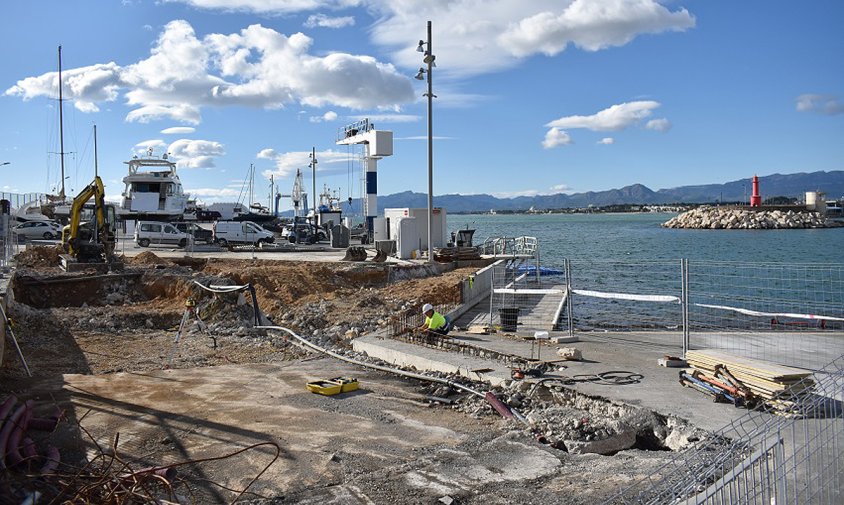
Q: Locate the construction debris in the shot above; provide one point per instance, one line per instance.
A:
(671, 361)
(570, 354)
(744, 381)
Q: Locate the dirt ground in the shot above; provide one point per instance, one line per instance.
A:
(128, 321)
(101, 347)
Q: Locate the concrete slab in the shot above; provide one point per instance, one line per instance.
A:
(375, 445)
(410, 355)
(659, 390)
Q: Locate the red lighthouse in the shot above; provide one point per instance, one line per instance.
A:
(755, 198)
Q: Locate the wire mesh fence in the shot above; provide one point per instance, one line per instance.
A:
(788, 312)
(762, 458)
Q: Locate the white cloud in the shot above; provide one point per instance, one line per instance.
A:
(556, 137)
(660, 125)
(178, 130)
(514, 194)
(388, 118)
(266, 154)
(561, 188)
(323, 21)
(268, 6)
(214, 194)
(466, 33)
(195, 153)
(615, 118)
(255, 67)
(823, 104)
(592, 26)
(287, 163)
(327, 117)
(607, 141)
(155, 144)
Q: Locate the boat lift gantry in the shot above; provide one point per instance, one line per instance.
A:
(377, 144)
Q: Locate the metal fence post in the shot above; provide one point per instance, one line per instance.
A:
(569, 310)
(684, 301)
(491, 293)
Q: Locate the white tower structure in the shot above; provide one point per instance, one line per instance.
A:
(377, 144)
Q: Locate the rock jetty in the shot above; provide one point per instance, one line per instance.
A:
(732, 218)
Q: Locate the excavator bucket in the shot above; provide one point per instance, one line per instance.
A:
(380, 257)
(355, 253)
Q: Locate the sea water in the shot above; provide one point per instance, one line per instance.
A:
(639, 237)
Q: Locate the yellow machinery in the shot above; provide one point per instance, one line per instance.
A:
(93, 241)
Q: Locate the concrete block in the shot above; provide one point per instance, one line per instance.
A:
(564, 340)
(618, 442)
(540, 335)
(570, 353)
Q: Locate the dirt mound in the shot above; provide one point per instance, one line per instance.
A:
(39, 256)
(148, 258)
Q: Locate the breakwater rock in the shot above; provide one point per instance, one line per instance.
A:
(732, 218)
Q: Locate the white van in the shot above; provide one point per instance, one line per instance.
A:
(154, 232)
(241, 232)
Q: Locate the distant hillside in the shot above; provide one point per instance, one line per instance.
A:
(790, 185)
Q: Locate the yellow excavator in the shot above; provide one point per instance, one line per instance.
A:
(90, 236)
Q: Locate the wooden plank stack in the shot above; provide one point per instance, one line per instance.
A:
(749, 379)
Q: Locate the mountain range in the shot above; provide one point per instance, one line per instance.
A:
(787, 185)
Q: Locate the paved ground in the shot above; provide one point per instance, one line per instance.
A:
(659, 389)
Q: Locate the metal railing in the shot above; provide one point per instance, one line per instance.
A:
(762, 457)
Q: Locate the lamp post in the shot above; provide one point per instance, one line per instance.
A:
(425, 48)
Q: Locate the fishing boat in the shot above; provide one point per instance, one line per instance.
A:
(153, 190)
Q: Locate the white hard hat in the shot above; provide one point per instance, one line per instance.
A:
(427, 307)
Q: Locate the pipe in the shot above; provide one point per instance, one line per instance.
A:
(13, 448)
(52, 461)
(8, 427)
(403, 373)
(489, 396)
(28, 449)
(7, 407)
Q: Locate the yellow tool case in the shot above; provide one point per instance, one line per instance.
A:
(333, 386)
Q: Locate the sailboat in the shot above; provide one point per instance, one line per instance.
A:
(243, 210)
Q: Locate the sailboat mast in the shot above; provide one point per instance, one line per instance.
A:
(96, 165)
(61, 123)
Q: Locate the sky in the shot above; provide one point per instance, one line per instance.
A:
(539, 97)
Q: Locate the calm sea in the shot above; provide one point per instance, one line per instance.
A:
(640, 237)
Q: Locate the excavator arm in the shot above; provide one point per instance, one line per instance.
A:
(103, 240)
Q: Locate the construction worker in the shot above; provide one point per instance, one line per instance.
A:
(435, 323)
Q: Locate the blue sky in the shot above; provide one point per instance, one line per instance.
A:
(533, 97)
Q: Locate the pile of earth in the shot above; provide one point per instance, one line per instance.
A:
(127, 321)
(40, 256)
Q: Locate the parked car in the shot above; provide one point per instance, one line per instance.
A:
(304, 233)
(152, 232)
(38, 230)
(199, 233)
(241, 232)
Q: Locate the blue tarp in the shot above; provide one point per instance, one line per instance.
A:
(531, 270)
